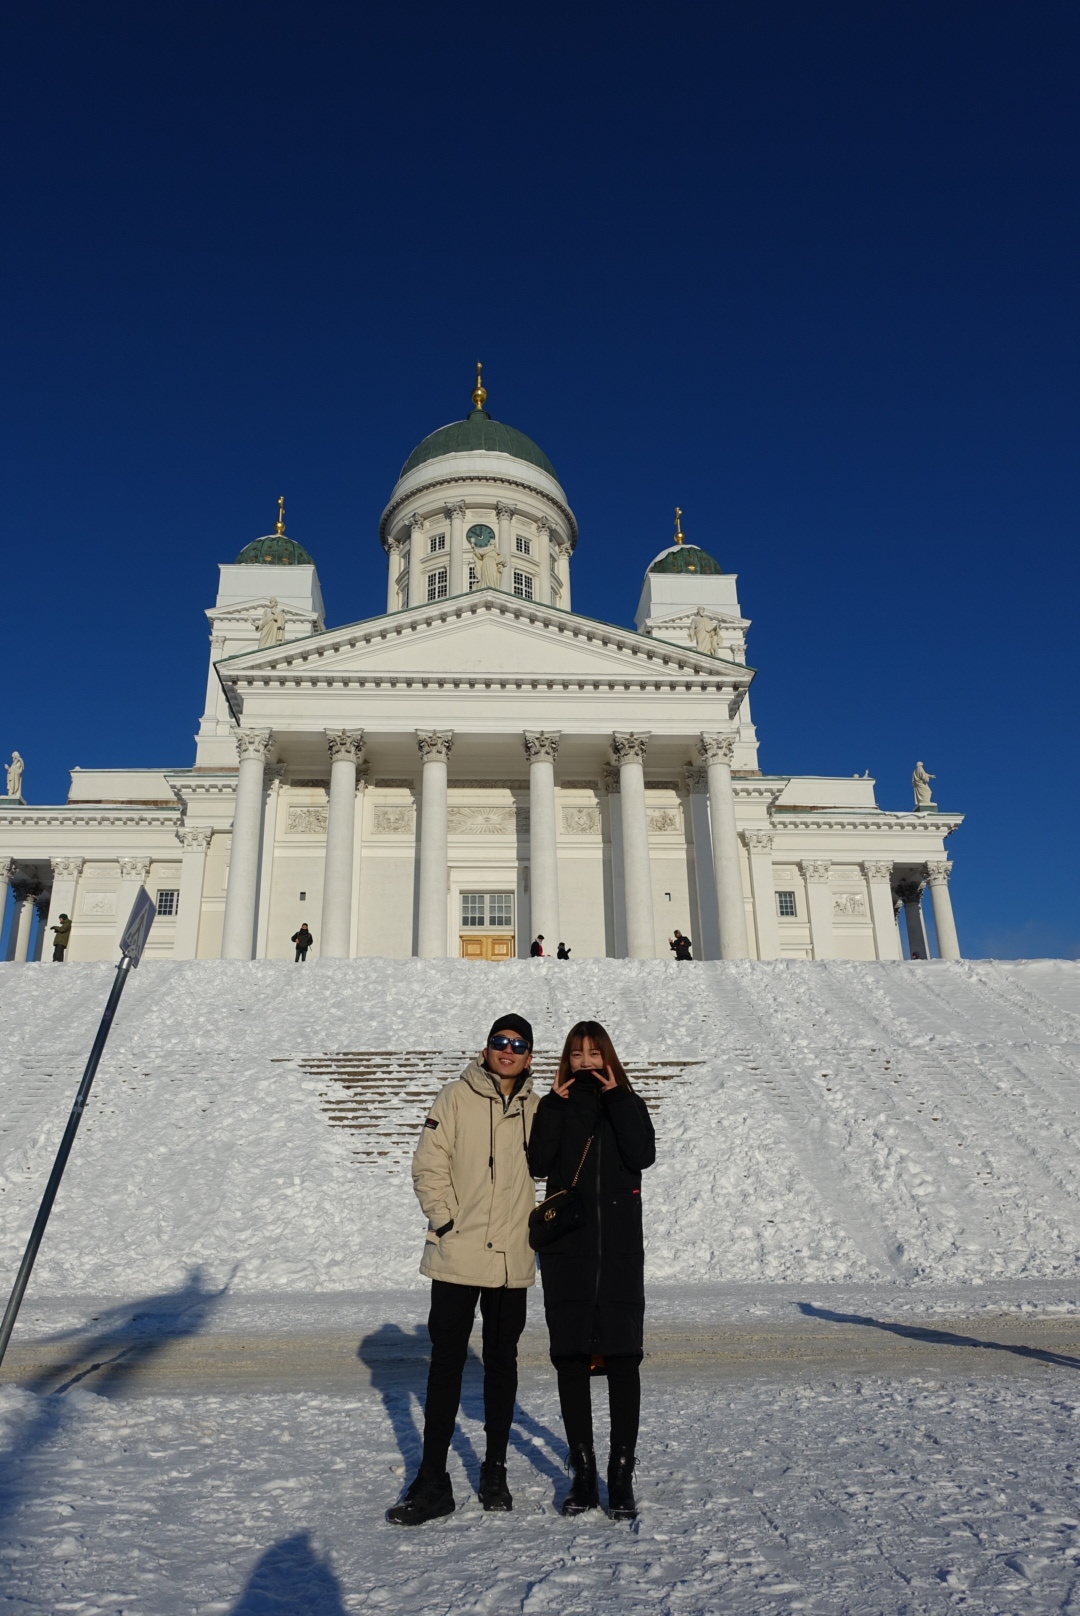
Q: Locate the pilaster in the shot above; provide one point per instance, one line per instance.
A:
(878, 873)
(816, 873)
(759, 846)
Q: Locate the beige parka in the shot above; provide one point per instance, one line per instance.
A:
(470, 1166)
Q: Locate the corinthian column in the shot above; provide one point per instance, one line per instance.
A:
(459, 582)
(541, 751)
(6, 867)
(759, 845)
(629, 753)
(195, 840)
(878, 873)
(543, 560)
(393, 567)
(707, 937)
(910, 895)
(618, 878)
(241, 897)
(434, 749)
(133, 872)
(415, 560)
(66, 873)
(938, 873)
(816, 873)
(505, 513)
(346, 748)
(717, 752)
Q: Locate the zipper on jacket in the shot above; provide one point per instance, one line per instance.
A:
(599, 1218)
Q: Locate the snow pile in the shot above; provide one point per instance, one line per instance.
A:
(856, 1122)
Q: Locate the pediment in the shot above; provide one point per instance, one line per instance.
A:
(480, 634)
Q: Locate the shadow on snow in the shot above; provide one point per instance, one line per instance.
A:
(940, 1338)
(291, 1580)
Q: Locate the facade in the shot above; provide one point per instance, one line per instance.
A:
(476, 765)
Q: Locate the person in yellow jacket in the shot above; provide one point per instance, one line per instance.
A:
(471, 1176)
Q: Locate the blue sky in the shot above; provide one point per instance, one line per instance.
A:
(807, 269)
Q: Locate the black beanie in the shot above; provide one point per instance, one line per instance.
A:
(519, 1025)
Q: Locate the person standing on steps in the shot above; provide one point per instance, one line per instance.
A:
(562, 952)
(594, 1133)
(303, 940)
(681, 945)
(61, 938)
(471, 1176)
(537, 949)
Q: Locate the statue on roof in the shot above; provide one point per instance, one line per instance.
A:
(706, 632)
(14, 775)
(920, 784)
(271, 625)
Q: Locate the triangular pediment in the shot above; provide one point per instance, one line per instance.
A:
(484, 633)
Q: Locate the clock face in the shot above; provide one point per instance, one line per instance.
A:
(481, 536)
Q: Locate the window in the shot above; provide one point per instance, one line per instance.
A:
(486, 909)
(303, 897)
(437, 584)
(168, 903)
(785, 905)
(522, 545)
(438, 542)
(472, 577)
(523, 585)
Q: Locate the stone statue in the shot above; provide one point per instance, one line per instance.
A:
(489, 566)
(706, 632)
(14, 775)
(272, 625)
(920, 784)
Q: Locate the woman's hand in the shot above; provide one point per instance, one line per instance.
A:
(562, 1089)
(606, 1080)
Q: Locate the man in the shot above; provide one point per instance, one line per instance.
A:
(303, 940)
(562, 952)
(471, 1177)
(537, 949)
(61, 938)
(682, 945)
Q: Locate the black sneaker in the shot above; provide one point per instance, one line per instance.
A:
(427, 1499)
(493, 1491)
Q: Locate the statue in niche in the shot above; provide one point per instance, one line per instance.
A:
(920, 784)
(272, 625)
(706, 633)
(489, 566)
(14, 775)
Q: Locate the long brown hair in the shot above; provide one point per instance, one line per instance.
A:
(599, 1038)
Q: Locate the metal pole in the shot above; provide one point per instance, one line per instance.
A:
(22, 1279)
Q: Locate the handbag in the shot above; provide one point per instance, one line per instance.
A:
(560, 1213)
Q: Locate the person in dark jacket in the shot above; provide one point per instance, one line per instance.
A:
(592, 1124)
(562, 952)
(61, 939)
(681, 945)
(303, 940)
(536, 950)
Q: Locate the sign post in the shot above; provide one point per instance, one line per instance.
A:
(131, 950)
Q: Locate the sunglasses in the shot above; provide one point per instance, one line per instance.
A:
(500, 1041)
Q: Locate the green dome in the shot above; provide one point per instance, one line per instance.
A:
(275, 550)
(478, 431)
(686, 558)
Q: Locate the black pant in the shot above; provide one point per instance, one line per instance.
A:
(58, 954)
(301, 956)
(453, 1309)
(624, 1399)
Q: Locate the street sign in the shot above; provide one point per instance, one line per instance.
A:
(137, 929)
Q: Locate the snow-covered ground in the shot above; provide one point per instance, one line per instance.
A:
(852, 1146)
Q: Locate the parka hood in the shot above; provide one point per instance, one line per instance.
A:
(486, 1083)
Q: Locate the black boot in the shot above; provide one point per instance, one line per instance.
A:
(584, 1493)
(426, 1499)
(620, 1485)
(493, 1491)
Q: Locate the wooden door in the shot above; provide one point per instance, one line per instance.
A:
(499, 946)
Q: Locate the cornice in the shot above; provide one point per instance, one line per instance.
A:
(392, 511)
(93, 818)
(940, 824)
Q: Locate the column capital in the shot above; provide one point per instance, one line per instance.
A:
(345, 743)
(938, 872)
(758, 841)
(454, 507)
(629, 748)
(434, 745)
(504, 509)
(6, 867)
(24, 886)
(696, 777)
(612, 780)
(909, 891)
(196, 839)
(540, 746)
(815, 869)
(134, 869)
(414, 520)
(66, 869)
(397, 545)
(253, 743)
(273, 775)
(717, 748)
(544, 524)
(877, 869)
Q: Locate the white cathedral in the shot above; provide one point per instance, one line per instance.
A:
(477, 765)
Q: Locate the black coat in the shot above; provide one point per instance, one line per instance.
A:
(594, 1277)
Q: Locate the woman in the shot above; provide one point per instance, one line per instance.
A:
(592, 1124)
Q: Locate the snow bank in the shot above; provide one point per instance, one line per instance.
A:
(855, 1122)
